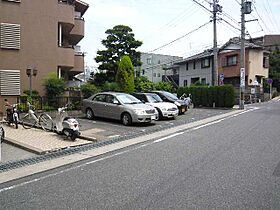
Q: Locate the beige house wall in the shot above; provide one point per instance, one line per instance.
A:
(256, 66)
(39, 48)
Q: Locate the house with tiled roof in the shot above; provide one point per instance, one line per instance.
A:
(196, 68)
(256, 63)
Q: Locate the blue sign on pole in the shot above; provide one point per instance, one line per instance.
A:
(269, 81)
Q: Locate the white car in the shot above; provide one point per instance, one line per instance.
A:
(165, 109)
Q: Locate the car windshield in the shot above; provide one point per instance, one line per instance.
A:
(128, 99)
(154, 98)
(170, 95)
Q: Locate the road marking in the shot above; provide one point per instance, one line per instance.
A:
(116, 154)
(168, 137)
(207, 124)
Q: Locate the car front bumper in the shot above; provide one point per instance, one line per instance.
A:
(144, 118)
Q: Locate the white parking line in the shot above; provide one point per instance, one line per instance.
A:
(168, 137)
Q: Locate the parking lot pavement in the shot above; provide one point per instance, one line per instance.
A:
(38, 141)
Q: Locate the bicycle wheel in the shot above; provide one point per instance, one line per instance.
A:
(28, 121)
(46, 122)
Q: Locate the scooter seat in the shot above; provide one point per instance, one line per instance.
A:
(66, 118)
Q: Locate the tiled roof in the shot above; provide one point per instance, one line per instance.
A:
(205, 54)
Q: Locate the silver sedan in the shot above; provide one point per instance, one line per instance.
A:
(119, 106)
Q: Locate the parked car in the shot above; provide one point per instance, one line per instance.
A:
(119, 106)
(165, 109)
(169, 97)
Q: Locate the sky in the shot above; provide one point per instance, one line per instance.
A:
(178, 27)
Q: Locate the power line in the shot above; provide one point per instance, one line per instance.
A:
(260, 17)
(208, 10)
(180, 37)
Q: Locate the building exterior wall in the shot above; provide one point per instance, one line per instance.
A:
(154, 66)
(203, 74)
(256, 67)
(39, 35)
(253, 65)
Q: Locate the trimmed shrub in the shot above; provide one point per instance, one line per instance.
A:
(218, 96)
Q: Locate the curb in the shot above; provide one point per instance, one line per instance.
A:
(29, 148)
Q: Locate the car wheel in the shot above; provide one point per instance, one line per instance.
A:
(126, 119)
(89, 114)
(160, 116)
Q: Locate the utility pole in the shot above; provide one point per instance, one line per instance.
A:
(216, 8)
(245, 9)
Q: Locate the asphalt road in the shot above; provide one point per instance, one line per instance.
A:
(107, 129)
(231, 163)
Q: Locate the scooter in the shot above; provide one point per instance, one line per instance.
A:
(65, 125)
(12, 115)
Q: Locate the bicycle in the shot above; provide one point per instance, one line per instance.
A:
(187, 99)
(31, 119)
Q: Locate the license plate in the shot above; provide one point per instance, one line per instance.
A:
(183, 109)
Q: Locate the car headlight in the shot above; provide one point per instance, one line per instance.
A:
(140, 111)
(164, 109)
(177, 103)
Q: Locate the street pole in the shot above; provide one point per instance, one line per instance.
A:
(30, 85)
(242, 57)
(216, 8)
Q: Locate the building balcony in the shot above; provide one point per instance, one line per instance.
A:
(81, 6)
(66, 12)
(77, 32)
(66, 57)
(78, 63)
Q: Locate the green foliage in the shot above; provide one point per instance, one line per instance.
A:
(48, 108)
(142, 84)
(54, 86)
(125, 75)
(221, 96)
(34, 92)
(98, 79)
(119, 42)
(88, 89)
(274, 68)
(166, 86)
(111, 86)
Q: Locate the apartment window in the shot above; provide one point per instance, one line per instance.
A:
(265, 62)
(231, 60)
(158, 61)
(143, 72)
(154, 74)
(194, 65)
(158, 74)
(187, 66)
(149, 61)
(194, 80)
(10, 36)
(185, 83)
(205, 63)
(10, 82)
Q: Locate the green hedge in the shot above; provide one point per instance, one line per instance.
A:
(209, 96)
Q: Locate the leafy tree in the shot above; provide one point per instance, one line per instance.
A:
(166, 86)
(111, 86)
(274, 68)
(120, 41)
(54, 86)
(88, 89)
(142, 84)
(125, 75)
